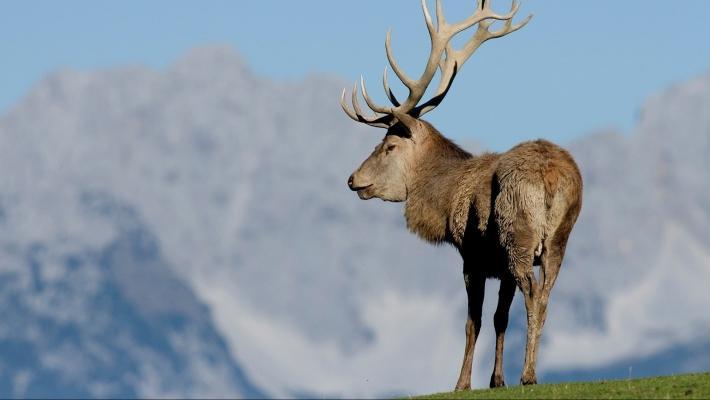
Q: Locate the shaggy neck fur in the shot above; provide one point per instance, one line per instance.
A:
(432, 186)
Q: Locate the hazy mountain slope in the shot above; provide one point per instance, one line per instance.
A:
(93, 304)
(207, 184)
(112, 320)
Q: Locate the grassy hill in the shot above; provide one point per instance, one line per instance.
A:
(690, 386)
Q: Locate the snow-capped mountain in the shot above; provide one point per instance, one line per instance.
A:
(188, 232)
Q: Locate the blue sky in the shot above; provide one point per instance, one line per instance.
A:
(577, 67)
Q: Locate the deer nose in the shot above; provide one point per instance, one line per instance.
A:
(350, 182)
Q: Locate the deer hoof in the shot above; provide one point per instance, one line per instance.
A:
(497, 381)
(459, 388)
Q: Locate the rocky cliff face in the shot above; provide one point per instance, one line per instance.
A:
(189, 232)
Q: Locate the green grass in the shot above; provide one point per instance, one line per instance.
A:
(690, 386)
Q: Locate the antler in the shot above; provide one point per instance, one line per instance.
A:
(442, 56)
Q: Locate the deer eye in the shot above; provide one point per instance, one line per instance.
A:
(390, 147)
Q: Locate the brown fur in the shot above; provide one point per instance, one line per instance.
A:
(503, 212)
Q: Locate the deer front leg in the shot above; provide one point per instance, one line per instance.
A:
(475, 290)
(500, 321)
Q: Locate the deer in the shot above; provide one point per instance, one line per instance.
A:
(506, 213)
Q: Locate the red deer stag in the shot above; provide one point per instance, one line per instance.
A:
(505, 213)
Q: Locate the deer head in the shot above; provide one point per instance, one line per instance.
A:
(386, 172)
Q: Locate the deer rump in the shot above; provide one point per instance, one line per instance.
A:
(524, 195)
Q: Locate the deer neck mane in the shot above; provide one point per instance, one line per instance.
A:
(432, 187)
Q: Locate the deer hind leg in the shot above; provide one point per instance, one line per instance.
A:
(537, 295)
(475, 289)
(521, 245)
(519, 212)
(551, 262)
(500, 321)
(529, 286)
(549, 268)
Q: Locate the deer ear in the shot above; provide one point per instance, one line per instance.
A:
(409, 122)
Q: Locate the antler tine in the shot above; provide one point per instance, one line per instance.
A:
(507, 28)
(345, 107)
(390, 58)
(356, 104)
(427, 18)
(440, 20)
(388, 91)
(380, 121)
(483, 13)
(374, 107)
